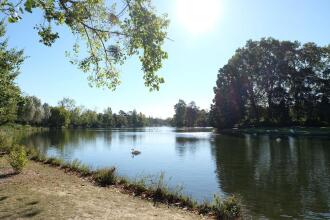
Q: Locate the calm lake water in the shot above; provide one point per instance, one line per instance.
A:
(275, 179)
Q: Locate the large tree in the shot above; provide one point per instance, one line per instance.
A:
(275, 83)
(10, 61)
(111, 30)
(59, 118)
(180, 113)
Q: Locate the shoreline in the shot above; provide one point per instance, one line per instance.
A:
(281, 131)
(45, 192)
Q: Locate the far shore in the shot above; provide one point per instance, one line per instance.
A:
(291, 131)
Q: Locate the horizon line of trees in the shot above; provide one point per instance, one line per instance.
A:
(274, 83)
(190, 115)
(30, 111)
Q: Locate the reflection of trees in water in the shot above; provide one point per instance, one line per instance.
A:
(288, 177)
(65, 141)
(134, 136)
(185, 144)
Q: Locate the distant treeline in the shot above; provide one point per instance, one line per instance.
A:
(271, 82)
(190, 115)
(31, 111)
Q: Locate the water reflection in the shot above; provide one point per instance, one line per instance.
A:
(276, 178)
(288, 178)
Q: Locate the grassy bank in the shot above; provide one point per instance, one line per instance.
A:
(157, 191)
(46, 192)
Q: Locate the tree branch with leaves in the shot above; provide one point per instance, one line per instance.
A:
(110, 32)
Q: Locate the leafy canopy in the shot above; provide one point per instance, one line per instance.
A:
(10, 61)
(111, 31)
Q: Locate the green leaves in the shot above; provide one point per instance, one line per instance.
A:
(29, 4)
(111, 33)
(47, 36)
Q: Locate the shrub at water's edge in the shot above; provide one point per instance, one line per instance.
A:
(105, 177)
(17, 158)
(226, 209)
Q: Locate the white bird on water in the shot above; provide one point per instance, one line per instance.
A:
(135, 152)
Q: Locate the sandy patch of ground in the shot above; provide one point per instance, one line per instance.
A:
(43, 192)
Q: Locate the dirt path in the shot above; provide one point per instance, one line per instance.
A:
(43, 192)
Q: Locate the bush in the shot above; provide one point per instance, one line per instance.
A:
(5, 143)
(17, 158)
(105, 177)
(226, 209)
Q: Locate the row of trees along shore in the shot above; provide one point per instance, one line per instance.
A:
(274, 83)
(31, 111)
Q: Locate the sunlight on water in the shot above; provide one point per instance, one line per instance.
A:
(274, 178)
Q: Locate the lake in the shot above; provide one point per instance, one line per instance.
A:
(274, 178)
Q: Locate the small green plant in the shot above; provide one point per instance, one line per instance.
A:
(84, 170)
(105, 177)
(36, 155)
(226, 209)
(204, 207)
(17, 158)
(75, 165)
(5, 143)
(54, 161)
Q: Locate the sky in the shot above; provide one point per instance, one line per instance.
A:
(205, 35)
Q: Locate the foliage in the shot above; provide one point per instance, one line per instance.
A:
(17, 158)
(105, 177)
(189, 115)
(6, 142)
(10, 61)
(180, 113)
(31, 111)
(271, 82)
(59, 117)
(111, 31)
(226, 209)
(54, 161)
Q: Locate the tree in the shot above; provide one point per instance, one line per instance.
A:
(10, 61)
(202, 118)
(107, 118)
(191, 114)
(47, 113)
(67, 103)
(111, 30)
(30, 111)
(180, 113)
(59, 117)
(273, 82)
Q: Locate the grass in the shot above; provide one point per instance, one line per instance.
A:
(105, 177)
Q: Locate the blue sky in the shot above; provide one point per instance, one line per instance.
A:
(194, 59)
